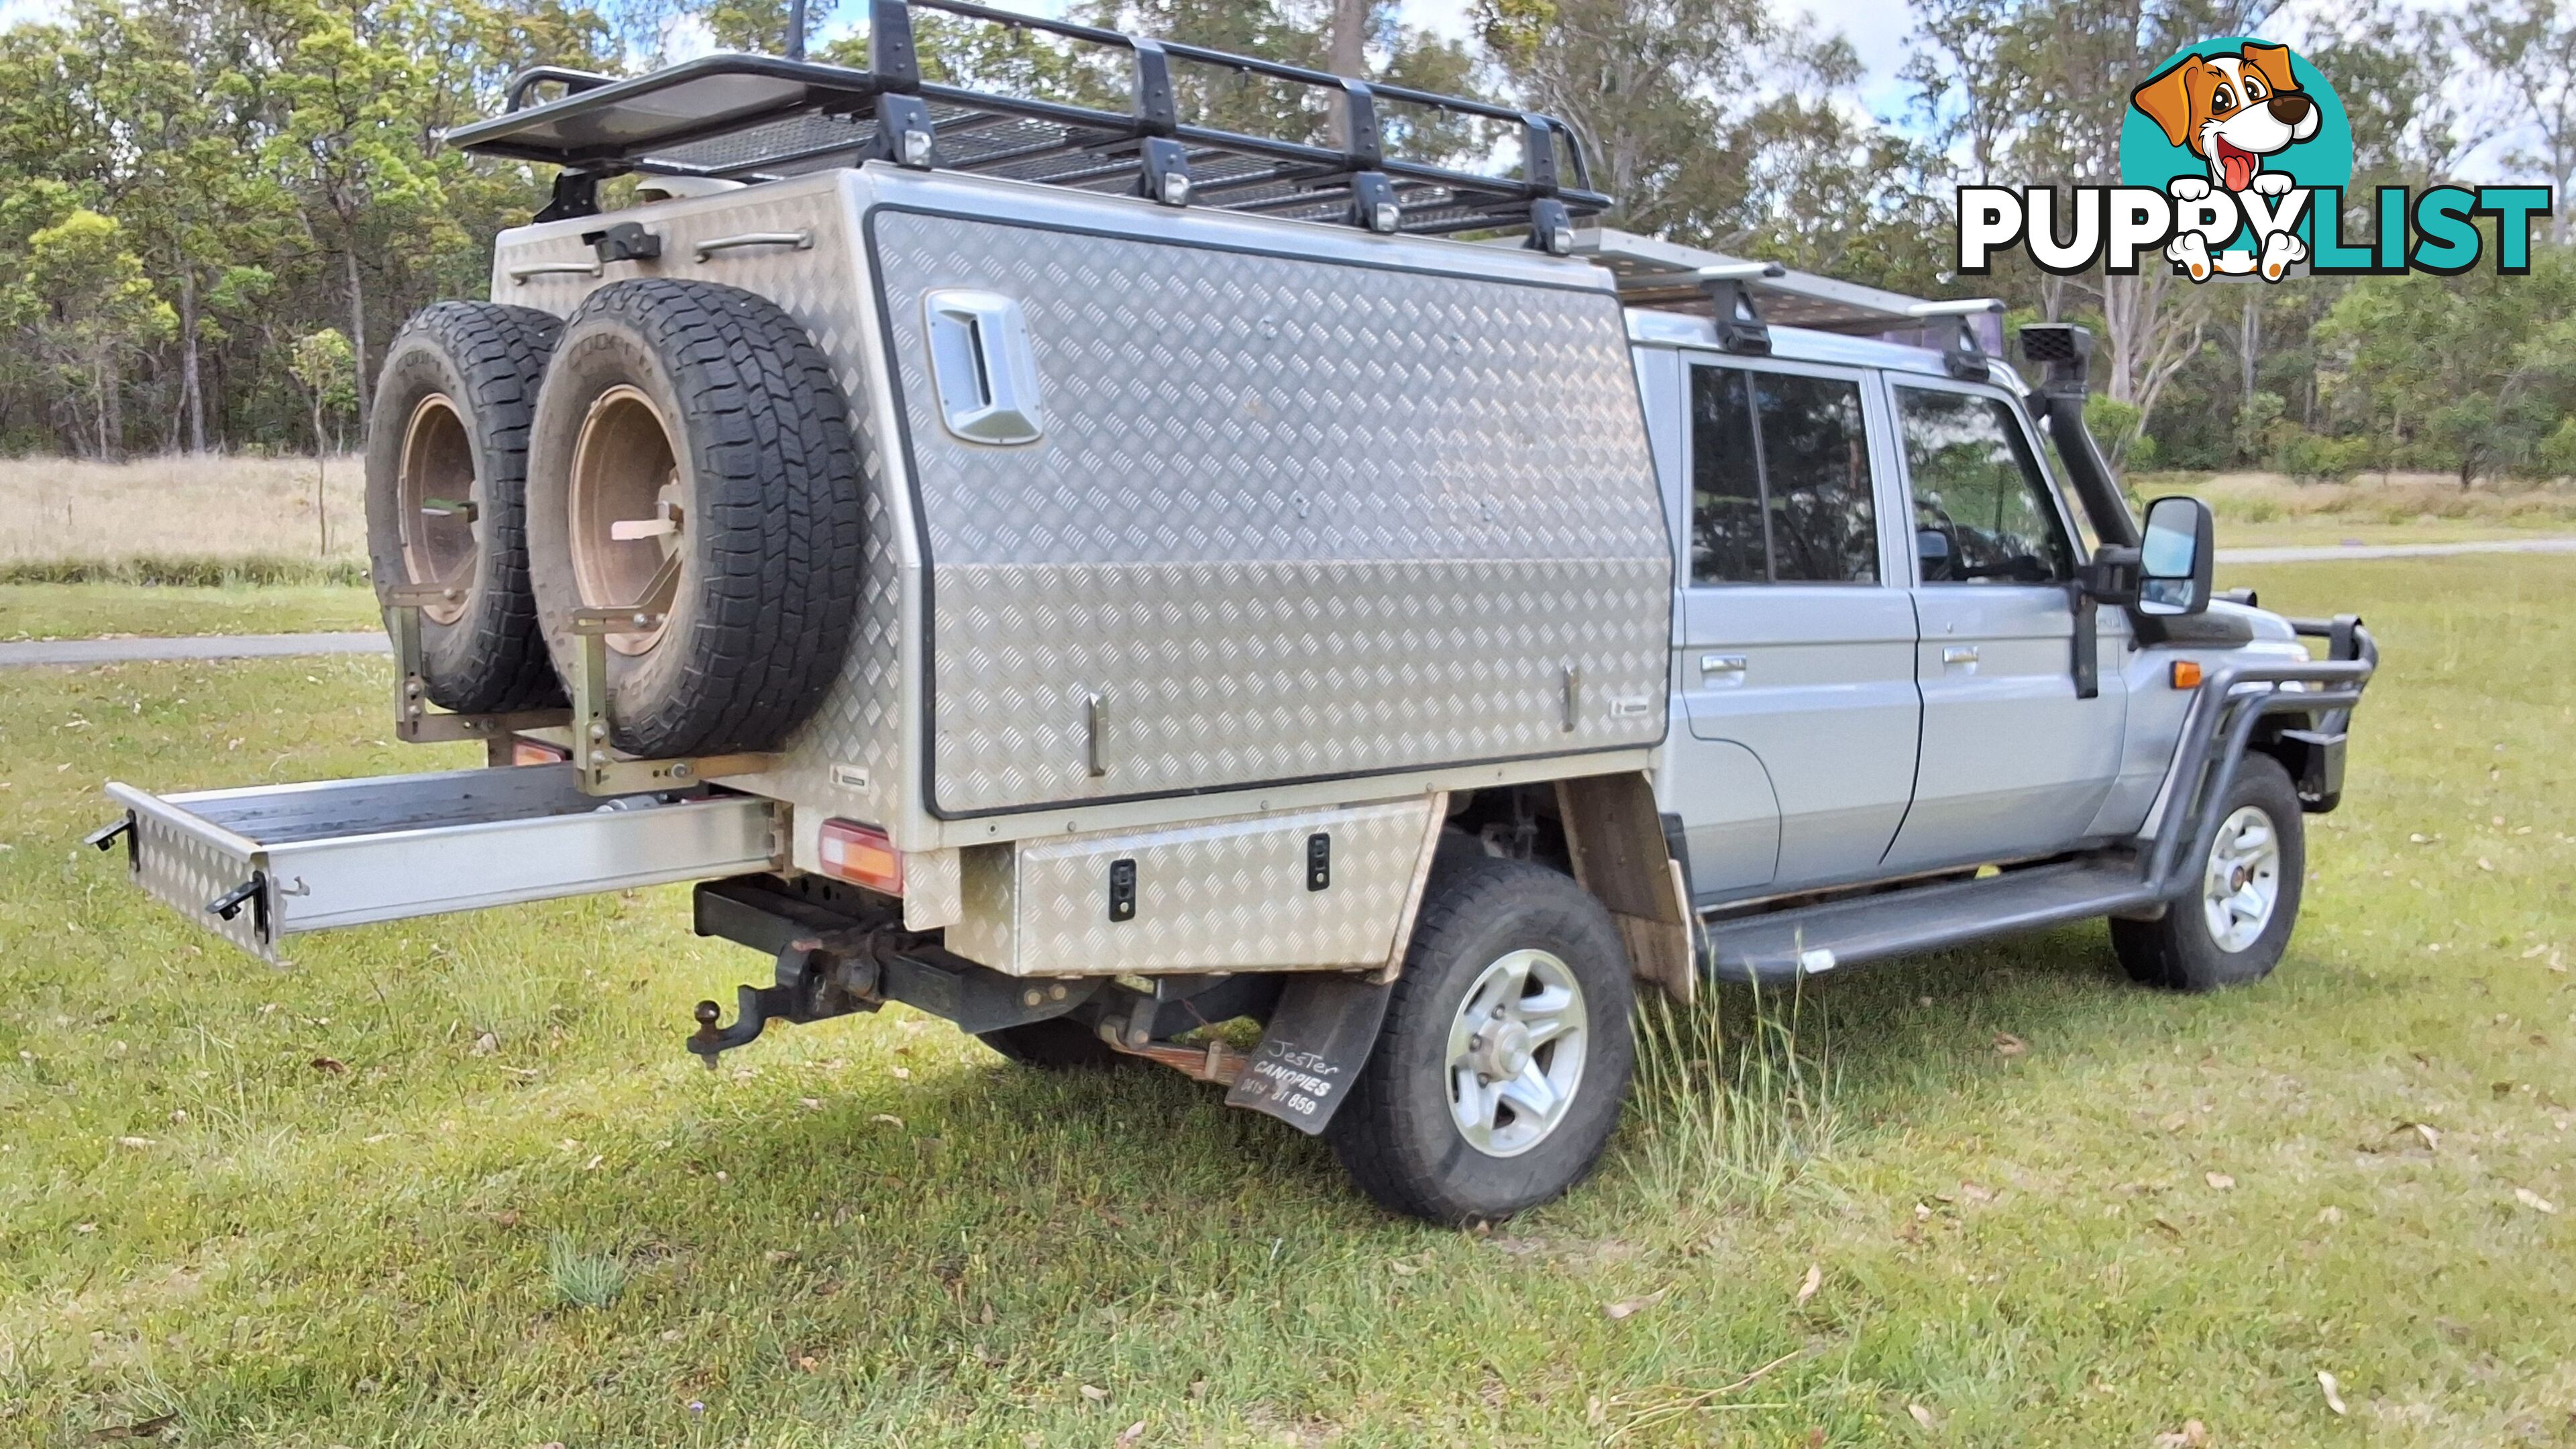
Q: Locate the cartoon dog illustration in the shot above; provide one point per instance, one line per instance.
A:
(2232, 111)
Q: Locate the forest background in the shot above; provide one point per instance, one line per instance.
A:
(215, 213)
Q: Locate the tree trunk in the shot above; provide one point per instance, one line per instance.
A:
(1346, 53)
(1350, 38)
(321, 451)
(111, 410)
(191, 386)
(357, 335)
(2249, 342)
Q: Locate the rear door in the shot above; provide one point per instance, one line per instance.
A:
(1796, 653)
(2013, 762)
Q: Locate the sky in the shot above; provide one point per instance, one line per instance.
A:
(1876, 29)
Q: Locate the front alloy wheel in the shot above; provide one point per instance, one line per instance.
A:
(2234, 929)
(2242, 882)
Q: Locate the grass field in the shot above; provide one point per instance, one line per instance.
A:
(2256, 509)
(454, 1182)
(90, 611)
(63, 510)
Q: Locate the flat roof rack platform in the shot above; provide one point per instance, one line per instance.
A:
(1131, 116)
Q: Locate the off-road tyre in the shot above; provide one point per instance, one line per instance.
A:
(756, 452)
(1057, 1044)
(2180, 951)
(1396, 1135)
(451, 416)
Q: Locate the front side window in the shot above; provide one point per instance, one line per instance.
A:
(1982, 509)
(1780, 481)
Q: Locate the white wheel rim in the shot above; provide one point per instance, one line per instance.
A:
(2242, 884)
(1516, 1053)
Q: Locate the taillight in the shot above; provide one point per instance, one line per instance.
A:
(525, 751)
(861, 855)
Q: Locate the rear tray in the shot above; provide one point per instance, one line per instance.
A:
(260, 864)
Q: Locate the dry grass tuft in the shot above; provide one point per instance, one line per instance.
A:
(100, 519)
(2371, 498)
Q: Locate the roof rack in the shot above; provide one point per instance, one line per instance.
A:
(1670, 277)
(761, 117)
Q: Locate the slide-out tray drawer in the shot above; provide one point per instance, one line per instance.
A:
(257, 865)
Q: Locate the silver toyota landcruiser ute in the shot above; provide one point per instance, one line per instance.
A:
(1327, 620)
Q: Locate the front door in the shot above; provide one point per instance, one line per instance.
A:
(2014, 763)
(1796, 655)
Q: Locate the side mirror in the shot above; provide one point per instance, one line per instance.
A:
(2175, 557)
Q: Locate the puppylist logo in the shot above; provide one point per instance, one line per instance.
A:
(2234, 158)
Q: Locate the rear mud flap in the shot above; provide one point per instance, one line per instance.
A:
(1318, 1039)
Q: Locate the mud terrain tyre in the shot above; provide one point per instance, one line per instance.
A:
(1515, 995)
(694, 421)
(447, 446)
(2233, 924)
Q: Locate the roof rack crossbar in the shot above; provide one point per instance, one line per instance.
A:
(604, 126)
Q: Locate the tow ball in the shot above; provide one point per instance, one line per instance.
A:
(819, 977)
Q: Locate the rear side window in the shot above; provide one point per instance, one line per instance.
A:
(1780, 483)
(1983, 512)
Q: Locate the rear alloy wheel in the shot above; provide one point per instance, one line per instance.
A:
(1500, 1070)
(1516, 1053)
(692, 460)
(2234, 925)
(447, 447)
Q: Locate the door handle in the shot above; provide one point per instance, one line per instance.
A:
(981, 365)
(1959, 654)
(1713, 664)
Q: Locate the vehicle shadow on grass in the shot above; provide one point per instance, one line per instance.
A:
(1137, 1147)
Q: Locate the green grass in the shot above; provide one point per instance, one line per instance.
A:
(88, 610)
(361, 1200)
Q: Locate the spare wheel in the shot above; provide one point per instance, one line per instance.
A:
(447, 447)
(691, 435)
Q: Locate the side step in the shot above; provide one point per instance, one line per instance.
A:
(1779, 948)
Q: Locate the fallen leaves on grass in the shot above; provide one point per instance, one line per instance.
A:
(1924, 1416)
(329, 1066)
(2009, 1045)
(1095, 1393)
(1129, 1435)
(1814, 1280)
(2334, 1391)
(2534, 1201)
(2219, 1180)
(2425, 1134)
(887, 1118)
(1631, 1307)
(2192, 1435)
